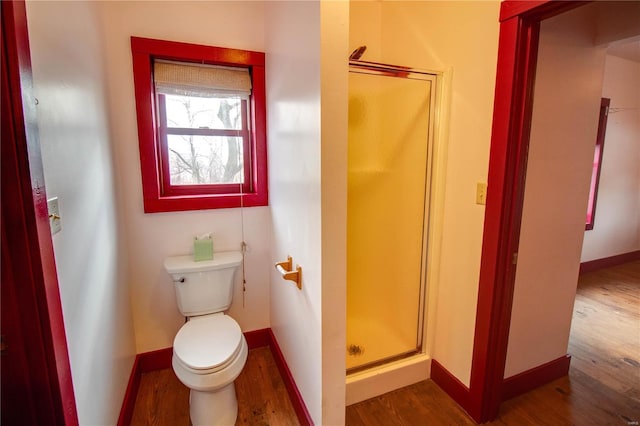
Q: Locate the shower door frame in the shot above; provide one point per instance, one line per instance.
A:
(388, 70)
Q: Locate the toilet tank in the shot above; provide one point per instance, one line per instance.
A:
(203, 287)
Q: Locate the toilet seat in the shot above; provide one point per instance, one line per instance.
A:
(208, 344)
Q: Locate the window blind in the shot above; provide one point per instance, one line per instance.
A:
(201, 80)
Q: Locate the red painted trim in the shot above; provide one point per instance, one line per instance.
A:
(155, 360)
(164, 130)
(597, 163)
(528, 380)
(260, 177)
(517, 55)
(177, 51)
(501, 232)
(514, 8)
(129, 401)
(536, 10)
(292, 389)
(143, 363)
(258, 338)
(35, 268)
(155, 198)
(607, 262)
(451, 385)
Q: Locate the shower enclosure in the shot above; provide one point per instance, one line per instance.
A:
(391, 115)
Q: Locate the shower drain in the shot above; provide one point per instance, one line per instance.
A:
(355, 350)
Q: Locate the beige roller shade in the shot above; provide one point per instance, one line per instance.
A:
(201, 80)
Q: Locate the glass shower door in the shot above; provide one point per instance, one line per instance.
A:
(390, 116)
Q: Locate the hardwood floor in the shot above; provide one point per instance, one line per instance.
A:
(605, 332)
(161, 400)
(603, 385)
(262, 398)
(602, 388)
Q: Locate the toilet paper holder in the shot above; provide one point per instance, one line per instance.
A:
(286, 270)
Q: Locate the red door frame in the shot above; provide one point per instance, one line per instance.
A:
(517, 56)
(27, 257)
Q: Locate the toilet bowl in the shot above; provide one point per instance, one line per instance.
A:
(209, 350)
(209, 353)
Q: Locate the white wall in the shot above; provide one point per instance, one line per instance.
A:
(68, 71)
(617, 20)
(334, 38)
(152, 237)
(293, 108)
(460, 39)
(564, 125)
(617, 219)
(306, 44)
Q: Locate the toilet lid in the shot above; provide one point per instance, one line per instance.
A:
(207, 342)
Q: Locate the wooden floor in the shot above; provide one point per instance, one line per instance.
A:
(262, 398)
(603, 386)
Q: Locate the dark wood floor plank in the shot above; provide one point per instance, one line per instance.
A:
(161, 401)
(605, 333)
(262, 396)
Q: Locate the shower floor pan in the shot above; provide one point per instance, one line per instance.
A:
(371, 342)
(380, 360)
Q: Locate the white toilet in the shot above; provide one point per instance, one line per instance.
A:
(209, 350)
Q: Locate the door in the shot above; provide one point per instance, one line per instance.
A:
(36, 376)
(390, 127)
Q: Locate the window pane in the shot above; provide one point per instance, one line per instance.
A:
(204, 113)
(205, 160)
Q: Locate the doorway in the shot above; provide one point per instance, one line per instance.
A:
(517, 60)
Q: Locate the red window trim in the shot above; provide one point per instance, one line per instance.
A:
(597, 163)
(157, 196)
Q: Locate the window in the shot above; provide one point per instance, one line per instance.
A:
(597, 163)
(201, 125)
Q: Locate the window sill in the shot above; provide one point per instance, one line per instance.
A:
(204, 202)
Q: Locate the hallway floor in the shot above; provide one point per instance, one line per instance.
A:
(602, 388)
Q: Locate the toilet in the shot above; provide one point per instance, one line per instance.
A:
(209, 351)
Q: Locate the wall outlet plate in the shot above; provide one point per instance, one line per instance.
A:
(55, 222)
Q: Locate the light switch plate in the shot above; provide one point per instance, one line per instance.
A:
(55, 223)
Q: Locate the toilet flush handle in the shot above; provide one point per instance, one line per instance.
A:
(179, 280)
